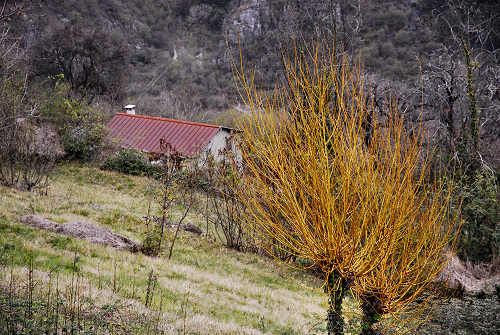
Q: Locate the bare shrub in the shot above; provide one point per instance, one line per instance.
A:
(28, 154)
(29, 148)
(175, 187)
(223, 180)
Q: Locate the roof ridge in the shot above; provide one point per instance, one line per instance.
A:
(170, 120)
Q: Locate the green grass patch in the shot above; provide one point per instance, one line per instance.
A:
(82, 212)
(17, 230)
(18, 254)
(60, 242)
(197, 274)
(120, 220)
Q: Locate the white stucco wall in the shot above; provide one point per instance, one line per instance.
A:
(218, 143)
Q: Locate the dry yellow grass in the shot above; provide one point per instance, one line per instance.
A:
(226, 292)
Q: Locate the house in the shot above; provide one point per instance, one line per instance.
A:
(188, 138)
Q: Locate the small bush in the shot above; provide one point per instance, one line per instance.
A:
(85, 141)
(223, 180)
(29, 147)
(131, 161)
(80, 125)
(152, 242)
(175, 188)
(480, 238)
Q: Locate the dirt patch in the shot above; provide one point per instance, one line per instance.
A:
(83, 230)
(473, 280)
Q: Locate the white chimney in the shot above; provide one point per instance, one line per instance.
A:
(129, 109)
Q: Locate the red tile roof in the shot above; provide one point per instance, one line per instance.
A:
(144, 133)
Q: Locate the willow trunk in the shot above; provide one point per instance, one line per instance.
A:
(335, 322)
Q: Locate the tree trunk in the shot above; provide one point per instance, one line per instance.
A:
(471, 92)
(371, 315)
(335, 322)
(471, 126)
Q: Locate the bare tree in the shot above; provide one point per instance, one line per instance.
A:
(462, 80)
(9, 10)
(29, 148)
(93, 62)
(460, 85)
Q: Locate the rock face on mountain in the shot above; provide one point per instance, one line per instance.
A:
(244, 21)
(83, 230)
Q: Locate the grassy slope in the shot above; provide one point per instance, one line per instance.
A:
(225, 291)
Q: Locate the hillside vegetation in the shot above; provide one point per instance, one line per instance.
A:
(204, 289)
(332, 99)
(179, 47)
(172, 57)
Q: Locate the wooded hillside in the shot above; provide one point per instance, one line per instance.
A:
(177, 53)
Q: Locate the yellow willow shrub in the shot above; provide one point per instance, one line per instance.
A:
(332, 184)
